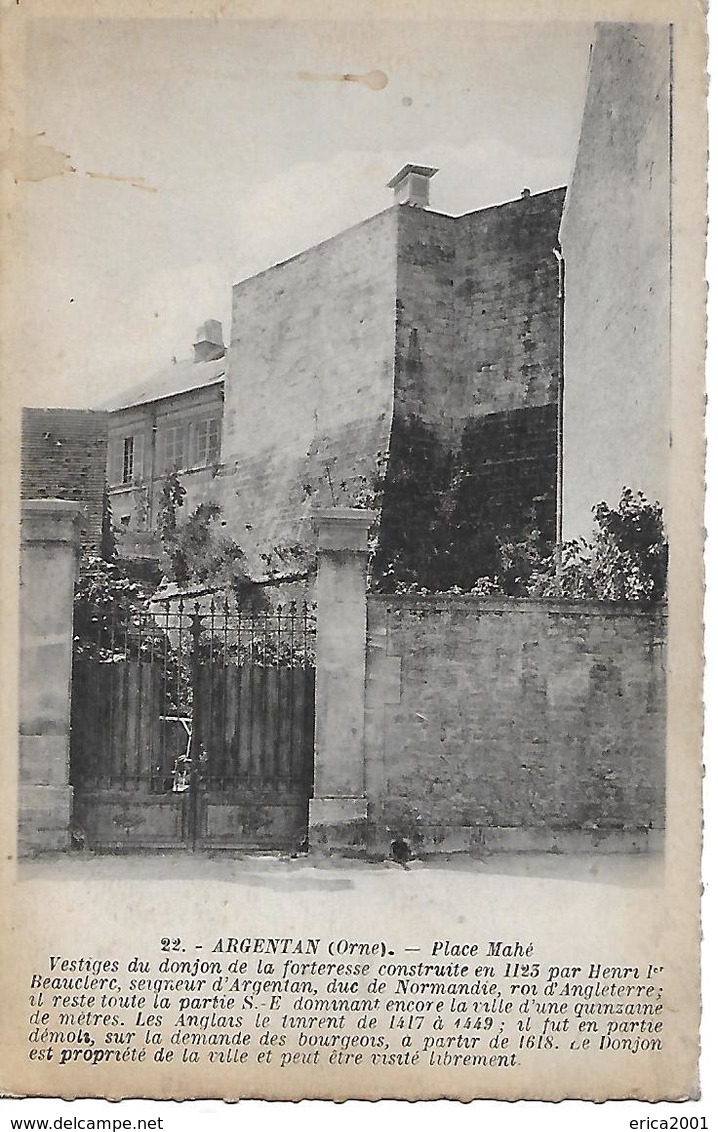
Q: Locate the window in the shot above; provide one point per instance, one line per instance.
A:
(125, 459)
(128, 459)
(206, 442)
(173, 442)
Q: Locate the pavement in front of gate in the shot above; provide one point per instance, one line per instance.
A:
(277, 871)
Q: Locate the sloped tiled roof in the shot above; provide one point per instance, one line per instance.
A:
(179, 377)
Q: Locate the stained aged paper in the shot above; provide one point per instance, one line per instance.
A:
(481, 898)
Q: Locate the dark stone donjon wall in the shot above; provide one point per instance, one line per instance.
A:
(447, 507)
(426, 381)
(507, 297)
(478, 317)
(508, 486)
(64, 456)
(416, 533)
(395, 336)
(473, 453)
(531, 716)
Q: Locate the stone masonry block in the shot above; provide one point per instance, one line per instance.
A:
(384, 681)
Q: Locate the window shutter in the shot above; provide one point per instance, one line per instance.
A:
(215, 441)
(163, 442)
(138, 460)
(115, 461)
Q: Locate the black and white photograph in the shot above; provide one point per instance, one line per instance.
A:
(354, 395)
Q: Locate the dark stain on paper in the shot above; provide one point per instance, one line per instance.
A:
(28, 158)
(136, 182)
(374, 80)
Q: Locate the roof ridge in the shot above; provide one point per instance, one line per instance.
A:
(171, 381)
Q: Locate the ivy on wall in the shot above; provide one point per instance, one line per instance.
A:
(442, 523)
(443, 529)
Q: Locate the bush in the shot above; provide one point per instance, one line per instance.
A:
(109, 605)
(194, 553)
(627, 560)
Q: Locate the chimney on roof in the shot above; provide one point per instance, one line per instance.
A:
(411, 185)
(209, 344)
(525, 193)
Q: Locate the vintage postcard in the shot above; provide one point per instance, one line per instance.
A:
(352, 580)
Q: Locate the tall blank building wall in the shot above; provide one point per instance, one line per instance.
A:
(615, 237)
(309, 386)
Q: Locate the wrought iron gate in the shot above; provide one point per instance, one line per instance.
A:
(193, 727)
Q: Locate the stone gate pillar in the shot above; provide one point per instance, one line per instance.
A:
(338, 810)
(50, 539)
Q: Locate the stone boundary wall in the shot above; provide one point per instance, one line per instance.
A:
(446, 723)
(513, 723)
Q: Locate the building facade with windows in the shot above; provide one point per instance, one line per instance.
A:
(170, 423)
